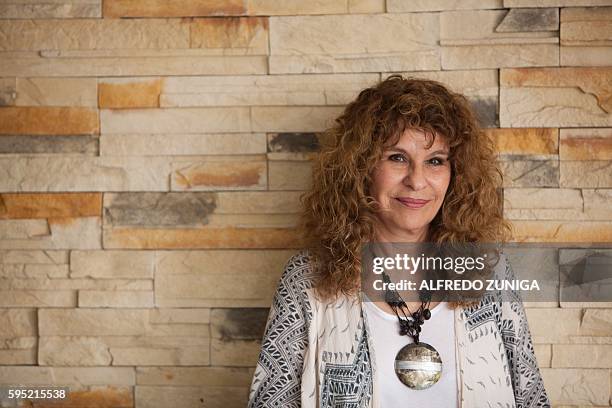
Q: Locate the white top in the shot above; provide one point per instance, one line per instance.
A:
(439, 332)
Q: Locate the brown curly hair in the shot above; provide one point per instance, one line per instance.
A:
(339, 214)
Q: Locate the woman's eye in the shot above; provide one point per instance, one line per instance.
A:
(436, 161)
(397, 158)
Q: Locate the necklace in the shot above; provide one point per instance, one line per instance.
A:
(418, 365)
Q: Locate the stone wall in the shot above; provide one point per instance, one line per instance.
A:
(152, 155)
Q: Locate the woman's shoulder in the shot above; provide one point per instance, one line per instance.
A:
(298, 273)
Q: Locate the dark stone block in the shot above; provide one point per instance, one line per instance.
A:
(28, 144)
(528, 20)
(293, 143)
(243, 323)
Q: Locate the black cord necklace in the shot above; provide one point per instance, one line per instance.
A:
(418, 365)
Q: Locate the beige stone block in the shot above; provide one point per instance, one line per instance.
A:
(577, 386)
(38, 298)
(18, 323)
(293, 119)
(83, 34)
(33, 257)
(202, 238)
(208, 278)
(110, 264)
(63, 233)
(144, 356)
(186, 120)
(542, 198)
(56, 92)
(573, 174)
(270, 90)
(18, 357)
(219, 173)
(289, 175)
(553, 325)
(73, 351)
(191, 397)
(234, 353)
(401, 6)
(582, 356)
(585, 144)
(286, 202)
(69, 376)
(23, 229)
(586, 26)
(61, 64)
(296, 7)
(366, 6)
(127, 173)
(76, 284)
(193, 376)
(8, 91)
(49, 121)
(499, 56)
(597, 203)
(39, 9)
(26, 271)
(554, 3)
(597, 322)
(172, 8)
(474, 83)
(556, 215)
(585, 56)
(248, 35)
(182, 144)
(526, 141)
(254, 220)
(119, 299)
(129, 93)
(201, 316)
(543, 354)
(93, 322)
(42, 205)
(347, 46)
(562, 231)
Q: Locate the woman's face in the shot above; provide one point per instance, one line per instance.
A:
(410, 183)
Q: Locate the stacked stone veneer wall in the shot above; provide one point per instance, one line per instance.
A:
(152, 154)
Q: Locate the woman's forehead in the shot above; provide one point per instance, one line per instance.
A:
(417, 138)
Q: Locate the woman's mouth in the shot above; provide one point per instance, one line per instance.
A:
(412, 202)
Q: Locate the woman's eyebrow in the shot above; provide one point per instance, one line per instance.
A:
(399, 149)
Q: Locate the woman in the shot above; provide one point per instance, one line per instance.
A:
(407, 163)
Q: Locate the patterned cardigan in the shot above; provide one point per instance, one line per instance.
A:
(316, 353)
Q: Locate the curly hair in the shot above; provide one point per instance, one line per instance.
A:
(339, 214)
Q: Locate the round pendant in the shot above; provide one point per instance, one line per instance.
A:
(418, 365)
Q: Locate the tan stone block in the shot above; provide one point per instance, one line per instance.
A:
(597, 322)
(234, 353)
(76, 284)
(56, 92)
(547, 231)
(73, 351)
(8, 91)
(193, 376)
(554, 3)
(269, 90)
(586, 26)
(65, 233)
(43, 205)
(201, 238)
(182, 144)
(296, 7)
(553, 214)
(23, 229)
(553, 325)
(293, 119)
(101, 396)
(585, 144)
(150, 64)
(38, 9)
(18, 323)
(119, 299)
(499, 56)
(129, 93)
(542, 198)
(48, 121)
(33, 257)
(172, 8)
(527, 141)
(573, 174)
(163, 356)
(366, 6)
(110, 264)
(347, 46)
(214, 397)
(400, 6)
(481, 83)
(286, 202)
(582, 356)
(254, 220)
(289, 175)
(577, 386)
(18, 357)
(167, 316)
(49, 173)
(38, 298)
(208, 278)
(597, 203)
(247, 34)
(93, 34)
(235, 173)
(543, 354)
(187, 120)
(28, 271)
(585, 56)
(72, 376)
(93, 322)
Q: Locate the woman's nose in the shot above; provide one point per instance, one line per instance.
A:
(415, 179)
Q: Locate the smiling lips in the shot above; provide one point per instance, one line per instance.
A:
(412, 202)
